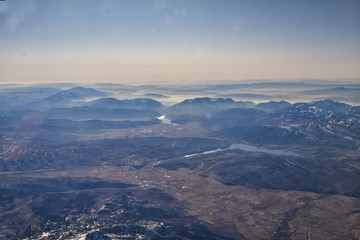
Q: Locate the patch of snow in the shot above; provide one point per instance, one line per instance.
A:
(102, 207)
(45, 234)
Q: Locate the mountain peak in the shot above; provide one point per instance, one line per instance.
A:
(207, 101)
(273, 106)
(76, 93)
(137, 103)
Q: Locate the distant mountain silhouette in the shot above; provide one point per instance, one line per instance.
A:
(206, 105)
(138, 103)
(66, 98)
(77, 93)
(273, 106)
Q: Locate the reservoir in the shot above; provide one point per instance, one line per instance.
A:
(164, 120)
(248, 148)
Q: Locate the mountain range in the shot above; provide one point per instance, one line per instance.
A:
(78, 163)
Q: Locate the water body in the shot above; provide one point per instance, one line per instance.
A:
(248, 148)
(165, 120)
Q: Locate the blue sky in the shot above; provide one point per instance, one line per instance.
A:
(175, 40)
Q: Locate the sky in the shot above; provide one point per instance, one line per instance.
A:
(129, 41)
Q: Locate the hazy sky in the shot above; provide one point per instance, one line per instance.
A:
(174, 40)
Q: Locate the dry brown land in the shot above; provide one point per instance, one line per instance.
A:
(233, 211)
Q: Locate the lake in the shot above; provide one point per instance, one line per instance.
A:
(248, 148)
